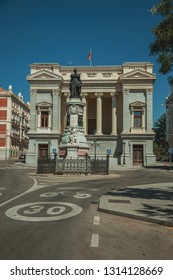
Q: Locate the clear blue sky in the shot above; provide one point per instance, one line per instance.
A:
(56, 31)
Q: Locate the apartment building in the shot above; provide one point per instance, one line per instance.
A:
(14, 124)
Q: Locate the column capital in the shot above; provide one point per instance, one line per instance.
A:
(67, 94)
(84, 94)
(56, 92)
(33, 91)
(126, 91)
(149, 91)
(113, 94)
(98, 94)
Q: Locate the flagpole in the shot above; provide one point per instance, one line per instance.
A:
(91, 57)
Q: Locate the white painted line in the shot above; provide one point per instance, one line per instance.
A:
(47, 180)
(94, 240)
(96, 220)
(18, 196)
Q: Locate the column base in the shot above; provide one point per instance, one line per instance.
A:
(114, 133)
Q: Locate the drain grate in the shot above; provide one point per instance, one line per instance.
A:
(119, 201)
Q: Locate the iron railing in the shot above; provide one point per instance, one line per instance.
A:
(85, 165)
(45, 166)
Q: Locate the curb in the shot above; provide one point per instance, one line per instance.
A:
(136, 217)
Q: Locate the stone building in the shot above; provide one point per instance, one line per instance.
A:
(117, 117)
(14, 124)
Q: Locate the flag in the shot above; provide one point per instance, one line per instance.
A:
(90, 55)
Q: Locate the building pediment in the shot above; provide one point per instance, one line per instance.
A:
(137, 104)
(44, 75)
(43, 104)
(137, 74)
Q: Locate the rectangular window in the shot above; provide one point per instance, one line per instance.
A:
(2, 128)
(3, 102)
(2, 142)
(137, 119)
(44, 118)
(3, 115)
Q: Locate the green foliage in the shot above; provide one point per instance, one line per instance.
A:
(162, 47)
(160, 146)
(160, 128)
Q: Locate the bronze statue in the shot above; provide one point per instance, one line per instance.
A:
(75, 85)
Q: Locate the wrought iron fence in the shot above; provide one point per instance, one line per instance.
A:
(45, 166)
(74, 166)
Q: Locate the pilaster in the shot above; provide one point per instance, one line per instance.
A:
(56, 110)
(33, 100)
(149, 114)
(126, 115)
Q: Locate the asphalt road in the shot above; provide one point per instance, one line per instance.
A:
(56, 217)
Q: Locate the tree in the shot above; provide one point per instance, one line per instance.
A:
(160, 146)
(162, 47)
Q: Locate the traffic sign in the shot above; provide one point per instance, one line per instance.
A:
(170, 151)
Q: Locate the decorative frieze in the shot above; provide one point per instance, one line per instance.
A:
(91, 75)
(107, 75)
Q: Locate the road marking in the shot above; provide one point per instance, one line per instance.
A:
(96, 220)
(43, 211)
(94, 240)
(33, 188)
(47, 180)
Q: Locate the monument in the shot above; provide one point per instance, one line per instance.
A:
(74, 144)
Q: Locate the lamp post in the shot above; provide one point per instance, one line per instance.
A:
(124, 153)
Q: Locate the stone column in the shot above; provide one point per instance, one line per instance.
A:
(99, 114)
(114, 113)
(84, 95)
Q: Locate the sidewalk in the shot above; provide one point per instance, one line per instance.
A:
(150, 202)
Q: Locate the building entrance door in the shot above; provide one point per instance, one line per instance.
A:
(138, 155)
(43, 151)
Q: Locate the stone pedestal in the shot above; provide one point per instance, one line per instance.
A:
(74, 143)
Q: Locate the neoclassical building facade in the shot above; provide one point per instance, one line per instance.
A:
(117, 114)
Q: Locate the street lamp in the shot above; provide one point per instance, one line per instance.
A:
(95, 143)
(124, 153)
